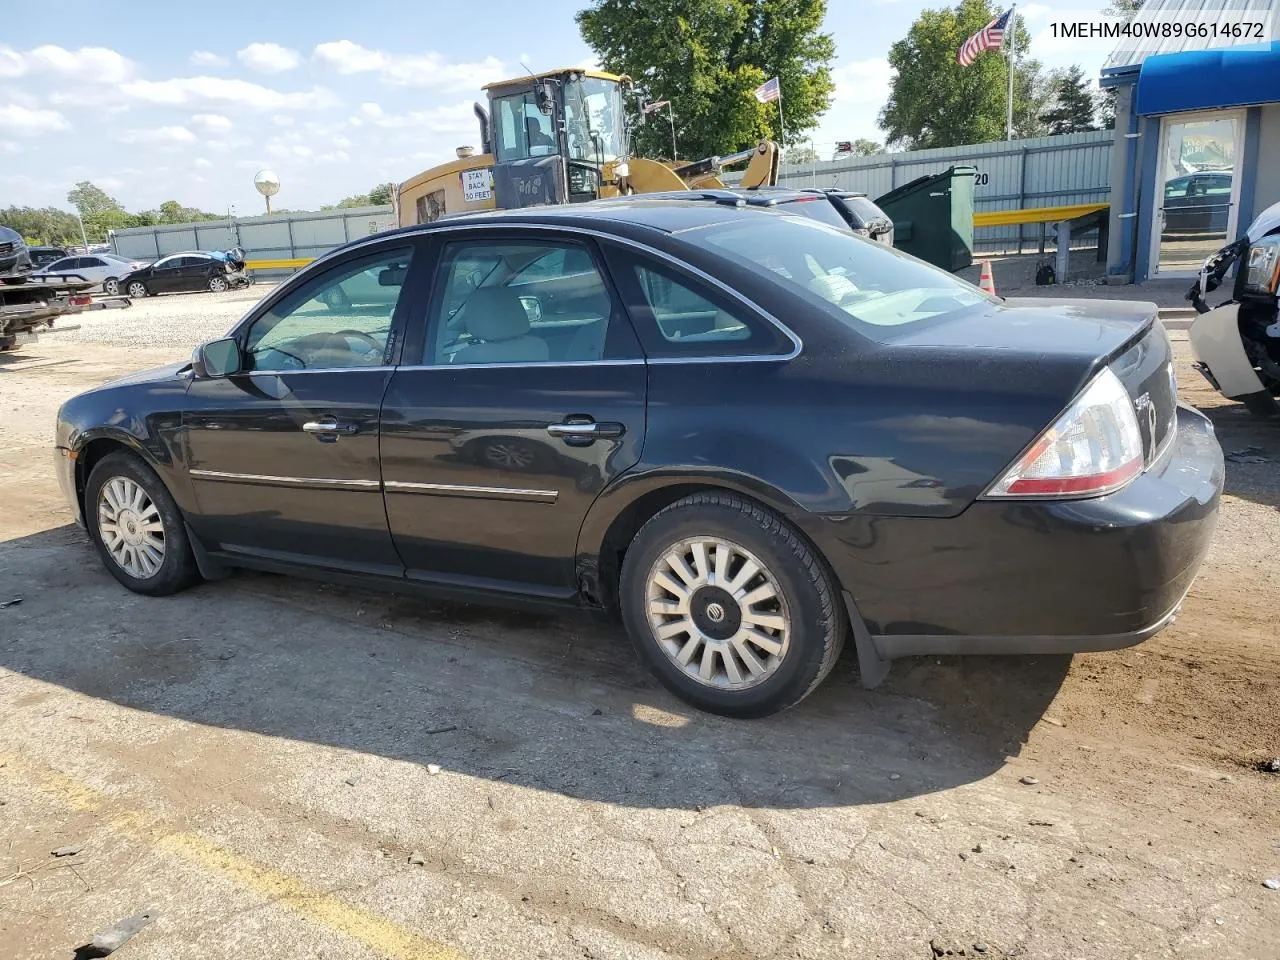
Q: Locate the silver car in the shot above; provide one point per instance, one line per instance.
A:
(103, 269)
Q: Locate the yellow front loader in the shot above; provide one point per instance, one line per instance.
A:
(560, 137)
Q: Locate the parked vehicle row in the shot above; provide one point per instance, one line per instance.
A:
(191, 270)
(746, 434)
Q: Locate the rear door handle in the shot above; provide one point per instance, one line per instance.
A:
(586, 431)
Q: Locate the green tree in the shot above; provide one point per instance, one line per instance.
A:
(707, 57)
(866, 148)
(43, 226)
(1128, 9)
(99, 211)
(378, 196)
(1071, 105)
(803, 153)
(935, 102)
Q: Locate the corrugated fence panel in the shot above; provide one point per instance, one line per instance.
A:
(1013, 175)
(286, 236)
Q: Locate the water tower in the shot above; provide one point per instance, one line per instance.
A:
(267, 184)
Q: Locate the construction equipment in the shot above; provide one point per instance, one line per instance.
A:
(558, 137)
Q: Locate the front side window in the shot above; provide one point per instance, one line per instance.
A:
(514, 301)
(337, 320)
(523, 130)
(593, 119)
(867, 285)
(167, 262)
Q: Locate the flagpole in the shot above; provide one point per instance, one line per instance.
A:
(781, 126)
(1013, 42)
(671, 117)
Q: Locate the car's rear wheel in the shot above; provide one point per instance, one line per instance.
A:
(729, 606)
(137, 527)
(218, 284)
(111, 286)
(137, 288)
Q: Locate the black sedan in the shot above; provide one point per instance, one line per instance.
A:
(183, 273)
(746, 434)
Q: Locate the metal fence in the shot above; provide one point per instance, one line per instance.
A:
(283, 236)
(1012, 175)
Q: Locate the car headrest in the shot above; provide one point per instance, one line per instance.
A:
(495, 314)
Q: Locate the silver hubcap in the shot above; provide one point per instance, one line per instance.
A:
(137, 290)
(718, 613)
(218, 284)
(131, 528)
(111, 288)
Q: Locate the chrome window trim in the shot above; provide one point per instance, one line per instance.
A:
(381, 368)
(524, 364)
(274, 481)
(796, 343)
(468, 490)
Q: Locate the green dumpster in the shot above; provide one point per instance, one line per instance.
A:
(933, 217)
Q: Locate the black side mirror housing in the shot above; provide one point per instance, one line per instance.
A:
(218, 358)
(545, 94)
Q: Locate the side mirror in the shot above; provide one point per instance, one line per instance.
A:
(217, 358)
(545, 94)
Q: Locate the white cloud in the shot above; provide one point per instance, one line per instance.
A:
(269, 57)
(159, 135)
(88, 64)
(862, 81)
(202, 163)
(184, 90)
(205, 58)
(8, 146)
(408, 70)
(25, 121)
(213, 122)
(449, 118)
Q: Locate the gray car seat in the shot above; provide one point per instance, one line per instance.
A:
(495, 316)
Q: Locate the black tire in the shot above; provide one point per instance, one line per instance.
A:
(111, 286)
(219, 285)
(177, 570)
(1262, 405)
(134, 286)
(817, 623)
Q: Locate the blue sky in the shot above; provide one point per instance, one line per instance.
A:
(334, 99)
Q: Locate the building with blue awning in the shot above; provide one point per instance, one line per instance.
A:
(1197, 149)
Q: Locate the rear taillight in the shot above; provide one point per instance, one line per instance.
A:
(1095, 447)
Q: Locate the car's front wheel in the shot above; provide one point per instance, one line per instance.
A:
(137, 527)
(730, 607)
(137, 289)
(218, 284)
(111, 286)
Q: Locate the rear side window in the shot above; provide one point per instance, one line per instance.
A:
(680, 316)
(514, 301)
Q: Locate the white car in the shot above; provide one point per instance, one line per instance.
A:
(105, 269)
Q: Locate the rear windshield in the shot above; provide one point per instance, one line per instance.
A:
(864, 209)
(868, 286)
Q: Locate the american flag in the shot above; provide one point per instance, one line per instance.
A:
(655, 105)
(768, 91)
(990, 37)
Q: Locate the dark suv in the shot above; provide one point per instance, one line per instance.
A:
(842, 209)
(15, 260)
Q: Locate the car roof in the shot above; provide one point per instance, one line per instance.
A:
(661, 213)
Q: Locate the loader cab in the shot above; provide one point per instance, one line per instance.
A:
(556, 137)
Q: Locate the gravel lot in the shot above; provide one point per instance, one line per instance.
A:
(278, 768)
(178, 319)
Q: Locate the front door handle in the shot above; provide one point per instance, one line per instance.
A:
(586, 431)
(329, 429)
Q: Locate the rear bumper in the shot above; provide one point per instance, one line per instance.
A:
(1037, 576)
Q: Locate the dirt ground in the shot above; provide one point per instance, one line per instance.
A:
(276, 768)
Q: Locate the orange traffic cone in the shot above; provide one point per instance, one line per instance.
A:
(987, 282)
